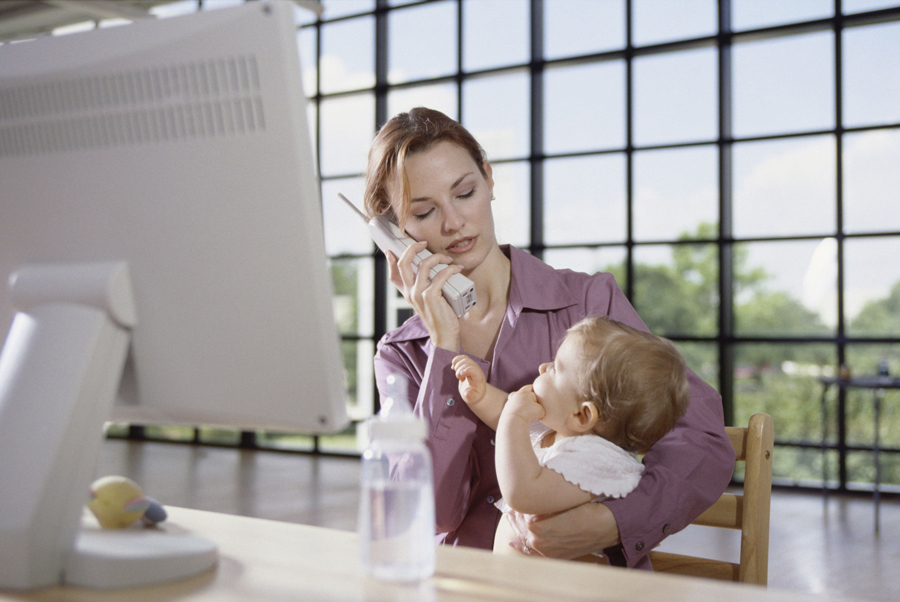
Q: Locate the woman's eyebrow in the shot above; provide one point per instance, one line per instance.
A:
(452, 186)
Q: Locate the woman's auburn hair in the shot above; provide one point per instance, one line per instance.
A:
(404, 135)
(635, 378)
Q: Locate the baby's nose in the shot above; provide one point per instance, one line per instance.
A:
(543, 367)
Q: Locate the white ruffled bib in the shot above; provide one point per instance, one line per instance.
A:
(590, 462)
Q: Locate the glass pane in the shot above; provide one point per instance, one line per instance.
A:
(871, 75)
(861, 470)
(584, 200)
(785, 288)
(304, 16)
(306, 42)
(312, 122)
(858, 6)
(753, 14)
(785, 187)
(342, 443)
(703, 359)
(422, 42)
(181, 7)
(340, 8)
(441, 97)
(579, 27)
(770, 98)
(675, 98)
(794, 466)
(496, 110)
(485, 45)
(590, 261)
(169, 432)
(217, 4)
(360, 377)
(284, 441)
(219, 436)
(676, 288)
(584, 107)
(348, 55)
(511, 208)
(872, 287)
(347, 128)
(655, 21)
(863, 360)
(782, 380)
(345, 233)
(676, 193)
(872, 181)
(352, 282)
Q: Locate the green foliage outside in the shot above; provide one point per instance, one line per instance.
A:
(681, 298)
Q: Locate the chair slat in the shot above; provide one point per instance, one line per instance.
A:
(694, 566)
(748, 512)
(727, 512)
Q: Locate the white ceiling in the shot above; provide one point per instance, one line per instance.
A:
(22, 19)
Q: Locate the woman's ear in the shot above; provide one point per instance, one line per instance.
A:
(584, 420)
(488, 176)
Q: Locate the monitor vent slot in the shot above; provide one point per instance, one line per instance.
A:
(174, 103)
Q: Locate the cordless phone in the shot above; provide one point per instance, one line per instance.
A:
(459, 290)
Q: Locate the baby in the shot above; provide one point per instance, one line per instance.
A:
(611, 392)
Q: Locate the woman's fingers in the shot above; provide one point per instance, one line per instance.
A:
(406, 269)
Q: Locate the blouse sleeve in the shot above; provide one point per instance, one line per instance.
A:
(685, 472)
(434, 395)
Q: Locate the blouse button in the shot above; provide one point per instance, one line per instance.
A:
(639, 546)
(490, 499)
(492, 442)
(667, 529)
(451, 401)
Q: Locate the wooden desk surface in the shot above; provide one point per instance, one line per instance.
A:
(268, 560)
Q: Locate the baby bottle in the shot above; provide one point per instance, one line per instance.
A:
(396, 509)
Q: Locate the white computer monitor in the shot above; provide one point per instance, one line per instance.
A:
(158, 202)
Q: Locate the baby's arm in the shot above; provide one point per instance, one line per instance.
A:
(485, 400)
(527, 486)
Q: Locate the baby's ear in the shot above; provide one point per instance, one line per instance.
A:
(585, 418)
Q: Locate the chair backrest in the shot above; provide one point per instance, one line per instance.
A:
(748, 512)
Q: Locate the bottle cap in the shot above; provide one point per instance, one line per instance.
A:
(396, 419)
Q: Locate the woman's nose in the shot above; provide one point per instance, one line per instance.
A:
(453, 219)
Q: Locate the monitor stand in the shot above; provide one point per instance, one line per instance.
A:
(60, 370)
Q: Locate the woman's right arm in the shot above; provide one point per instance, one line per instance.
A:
(434, 395)
(434, 388)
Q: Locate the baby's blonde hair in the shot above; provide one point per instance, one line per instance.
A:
(637, 379)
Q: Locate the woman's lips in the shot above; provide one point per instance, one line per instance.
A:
(462, 246)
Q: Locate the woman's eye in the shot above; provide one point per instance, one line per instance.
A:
(468, 194)
(421, 216)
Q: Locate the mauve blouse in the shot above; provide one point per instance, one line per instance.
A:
(685, 472)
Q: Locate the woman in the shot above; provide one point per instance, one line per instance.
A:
(431, 177)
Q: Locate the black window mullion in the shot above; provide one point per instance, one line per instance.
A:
(629, 156)
(839, 227)
(726, 236)
(536, 160)
(381, 284)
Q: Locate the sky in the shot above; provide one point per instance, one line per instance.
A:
(780, 188)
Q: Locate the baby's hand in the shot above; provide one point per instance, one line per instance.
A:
(524, 404)
(472, 382)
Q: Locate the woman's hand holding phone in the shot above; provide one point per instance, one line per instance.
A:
(424, 294)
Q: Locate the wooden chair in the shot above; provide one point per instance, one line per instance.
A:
(748, 512)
